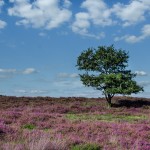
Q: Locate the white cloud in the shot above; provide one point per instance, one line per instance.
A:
(129, 38)
(30, 92)
(42, 34)
(5, 76)
(133, 39)
(38, 91)
(40, 13)
(29, 71)
(67, 75)
(74, 88)
(144, 83)
(1, 3)
(81, 23)
(67, 3)
(132, 13)
(140, 73)
(97, 13)
(49, 14)
(74, 75)
(69, 84)
(8, 70)
(7, 73)
(20, 91)
(145, 33)
(2, 23)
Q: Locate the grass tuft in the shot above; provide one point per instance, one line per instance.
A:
(29, 126)
(86, 147)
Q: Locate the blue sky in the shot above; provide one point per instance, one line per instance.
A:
(40, 41)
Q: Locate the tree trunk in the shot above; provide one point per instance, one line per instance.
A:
(108, 98)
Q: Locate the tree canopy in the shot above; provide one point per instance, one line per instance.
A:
(106, 70)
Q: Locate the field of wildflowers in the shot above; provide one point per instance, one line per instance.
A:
(74, 123)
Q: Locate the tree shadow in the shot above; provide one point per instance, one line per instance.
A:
(131, 103)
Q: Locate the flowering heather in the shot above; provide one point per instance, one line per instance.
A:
(45, 123)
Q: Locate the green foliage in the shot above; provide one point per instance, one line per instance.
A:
(105, 70)
(29, 126)
(86, 147)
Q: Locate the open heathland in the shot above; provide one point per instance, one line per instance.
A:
(74, 123)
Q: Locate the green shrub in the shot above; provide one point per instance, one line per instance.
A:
(86, 147)
(29, 126)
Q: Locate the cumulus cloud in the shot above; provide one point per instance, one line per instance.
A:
(40, 13)
(132, 13)
(145, 33)
(129, 38)
(81, 23)
(67, 3)
(97, 13)
(29, 71)
(140, 73)
(49, 14)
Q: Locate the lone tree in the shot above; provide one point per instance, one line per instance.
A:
(105, 70)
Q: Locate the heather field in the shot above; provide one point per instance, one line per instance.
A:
(74, 123)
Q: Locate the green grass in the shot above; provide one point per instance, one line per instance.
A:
(105, 117)
(86, 147)
(29, 126)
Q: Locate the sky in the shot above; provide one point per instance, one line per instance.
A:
(40, 41)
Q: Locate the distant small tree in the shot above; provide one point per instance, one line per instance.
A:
(105, 70)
